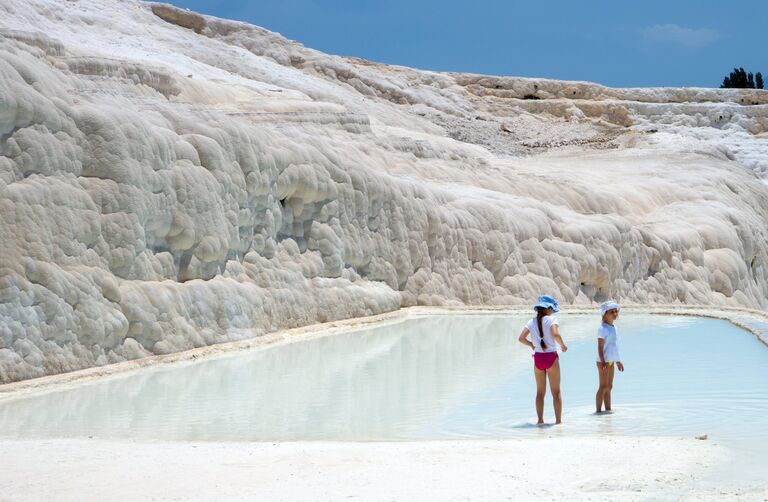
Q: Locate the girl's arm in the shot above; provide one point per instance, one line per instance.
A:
(523, 338)
(600, 345)
(558, 338)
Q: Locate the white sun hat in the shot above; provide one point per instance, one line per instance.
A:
(609, 305)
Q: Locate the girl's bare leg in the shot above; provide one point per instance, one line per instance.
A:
(541, 390)
(608, 386)
(601, 374)
(554, 388)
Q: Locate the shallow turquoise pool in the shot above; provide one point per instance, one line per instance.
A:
(438, 377)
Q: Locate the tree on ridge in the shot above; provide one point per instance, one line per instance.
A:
(740, 79)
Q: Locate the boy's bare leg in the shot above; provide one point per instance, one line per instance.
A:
(608, 386)
(602, 375)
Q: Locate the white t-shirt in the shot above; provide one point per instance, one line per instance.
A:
(546, 324)
(611, 345)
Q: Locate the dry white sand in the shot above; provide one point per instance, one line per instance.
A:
(550, 468)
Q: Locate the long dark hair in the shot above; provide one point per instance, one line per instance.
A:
(540, 313)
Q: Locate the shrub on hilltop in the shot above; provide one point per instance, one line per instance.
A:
(740, 79)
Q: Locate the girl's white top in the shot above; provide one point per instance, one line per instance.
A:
(611, 345)
(546, 324)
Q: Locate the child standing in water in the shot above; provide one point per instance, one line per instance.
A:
(542, 335)
(607, 354)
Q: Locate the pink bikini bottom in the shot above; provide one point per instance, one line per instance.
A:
(544, 360)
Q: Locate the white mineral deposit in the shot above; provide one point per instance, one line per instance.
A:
(171, 181)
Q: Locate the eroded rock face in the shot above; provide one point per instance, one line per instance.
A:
(174, 15)
(169, 181)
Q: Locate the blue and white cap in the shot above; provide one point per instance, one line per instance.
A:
(609, 305)
(547, 302)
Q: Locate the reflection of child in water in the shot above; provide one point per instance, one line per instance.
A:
(607, 354)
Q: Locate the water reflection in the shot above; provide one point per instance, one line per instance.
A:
(376, 383)
(433, 377)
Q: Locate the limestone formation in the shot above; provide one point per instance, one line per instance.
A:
(170, 180)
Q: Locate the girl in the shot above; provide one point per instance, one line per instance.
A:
(607, 354)
(544, 340)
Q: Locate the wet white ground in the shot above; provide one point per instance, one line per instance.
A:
(568, 469)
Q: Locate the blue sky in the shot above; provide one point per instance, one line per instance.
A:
(616, 43)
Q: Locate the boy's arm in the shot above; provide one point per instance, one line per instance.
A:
(619, 364)
(524, 340)
(600, 345)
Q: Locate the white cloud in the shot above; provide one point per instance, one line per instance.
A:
(672, 34)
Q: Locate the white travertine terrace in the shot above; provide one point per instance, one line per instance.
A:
(171, 181)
